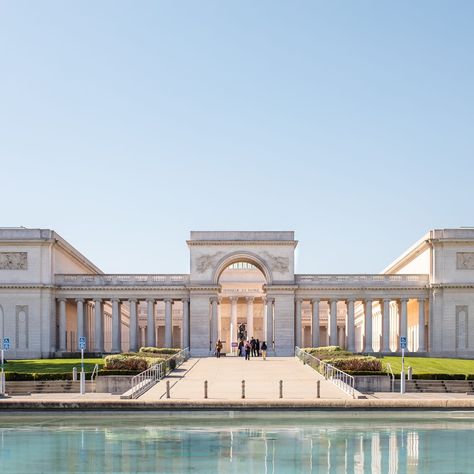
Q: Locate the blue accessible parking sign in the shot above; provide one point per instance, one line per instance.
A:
(403, 342)
(82, 342)
(6, 343)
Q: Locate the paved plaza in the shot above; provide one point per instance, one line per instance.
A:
(262, 377)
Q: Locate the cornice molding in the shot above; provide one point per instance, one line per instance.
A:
(242, 243)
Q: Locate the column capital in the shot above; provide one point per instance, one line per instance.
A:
(351, 299)
(151, 300)
(404, 300)
(299, 299)
(315, 300)
(386, 300)
(185, 300)
(115, 300)
(422, 298)
(133, 300)
(80, 300)
(214, 299)
(168, 300)
(332, 300)
(233, 299)
(98, 300)
(249, 299)
(269, 299)
(60, 299)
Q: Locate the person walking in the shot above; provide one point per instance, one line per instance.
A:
(248, 348)
(253, 347)
(264, 350)
(218, 348)
(241, 348)
(257, 347)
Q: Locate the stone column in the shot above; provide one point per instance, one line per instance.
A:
(80, 320)
(133, 328)
(269, 324)
(403, 319)
(62, 324)
(350, 325)
(385, 325)
(168, 322)
(185, 322)
(298, 323)
(233, 321)
(421, 325)
(315, 323)
(250, 317)
(116, 325)
(150, 323)
(99, 325)
(333, 322)
(368, 326)
(214, 325)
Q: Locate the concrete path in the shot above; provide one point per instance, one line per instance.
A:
(261, 377)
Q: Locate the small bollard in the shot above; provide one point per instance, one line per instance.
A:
(74, 374)
(281, 388)
(167, 389)
(243, 388)
(318, 389)
(410, 373)
(205, 388)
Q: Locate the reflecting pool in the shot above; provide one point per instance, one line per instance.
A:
(240, 442)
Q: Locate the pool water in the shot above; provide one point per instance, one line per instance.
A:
(239, 442)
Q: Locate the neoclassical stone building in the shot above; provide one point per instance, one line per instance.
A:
(239, 283)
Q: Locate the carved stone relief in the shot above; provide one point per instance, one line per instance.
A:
(461, 327)
(278, 264)
(465, 260)
(204, 262)
(13, 260)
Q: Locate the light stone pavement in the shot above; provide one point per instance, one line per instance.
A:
(261, 377)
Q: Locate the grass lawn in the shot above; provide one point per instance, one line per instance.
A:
(48, 366)
(429, 365)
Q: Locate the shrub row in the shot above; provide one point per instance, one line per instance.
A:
(132, 362)
(21, 377)
(357, 363)
(327, 352)
(159, 350)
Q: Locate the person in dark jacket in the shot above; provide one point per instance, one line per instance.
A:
(257, 347)
(264, 350)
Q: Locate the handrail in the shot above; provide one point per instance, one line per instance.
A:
(392, 376)
(149, 377)
(338, 377)
(95, 372)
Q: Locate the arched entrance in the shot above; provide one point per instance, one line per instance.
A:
(242, 303)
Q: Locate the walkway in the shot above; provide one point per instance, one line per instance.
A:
(262, 378)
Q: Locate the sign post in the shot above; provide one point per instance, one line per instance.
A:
(403, 346)
(82, 378)
(5, 347)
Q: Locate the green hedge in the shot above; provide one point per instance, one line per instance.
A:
(159, 350)
(325, 352)
(118, 372)
(21, 377)
(429, 376)
(357, 364)
(132, 362)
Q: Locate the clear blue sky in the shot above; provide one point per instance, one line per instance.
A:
(124, 125)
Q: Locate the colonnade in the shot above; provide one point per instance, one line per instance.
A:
(116, 304)
(367, 322)
(268, 319)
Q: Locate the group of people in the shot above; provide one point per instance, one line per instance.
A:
(247, 348)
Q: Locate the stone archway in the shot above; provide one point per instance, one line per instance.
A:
(242, 281)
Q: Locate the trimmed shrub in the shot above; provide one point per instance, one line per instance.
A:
(364, 372)
(327, 352)
(137, 363)
(118, 372)
(158, 350)
(20, 377)
(357, 364)
(426, 376)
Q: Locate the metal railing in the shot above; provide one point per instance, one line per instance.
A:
(95, 372)
(338, 377)
(389, 370)
(149, 377)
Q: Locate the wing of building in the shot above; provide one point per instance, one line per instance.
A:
(241, 285)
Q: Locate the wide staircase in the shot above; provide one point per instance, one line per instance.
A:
(46, 386)
(440, 386)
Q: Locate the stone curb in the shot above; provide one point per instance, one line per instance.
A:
(368, 404)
